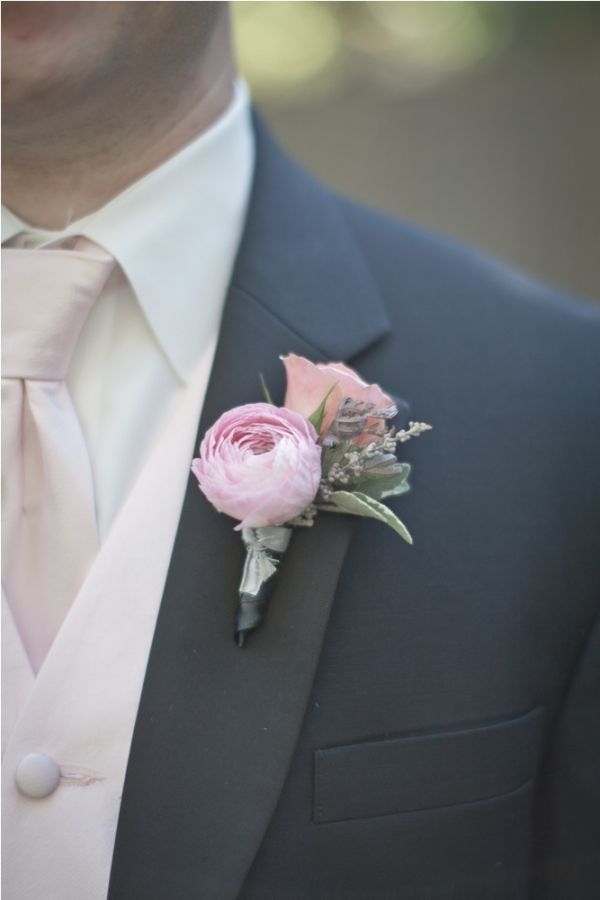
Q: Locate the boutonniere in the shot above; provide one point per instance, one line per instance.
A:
(329, 448)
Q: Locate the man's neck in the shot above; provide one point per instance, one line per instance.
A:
(57, 178)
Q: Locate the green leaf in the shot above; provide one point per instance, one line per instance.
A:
(265, 389)
(316, 418)
(358, 504)
(381, 488)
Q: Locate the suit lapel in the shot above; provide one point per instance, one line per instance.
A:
(216, 725)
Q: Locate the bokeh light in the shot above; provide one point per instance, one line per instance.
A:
(291, 50)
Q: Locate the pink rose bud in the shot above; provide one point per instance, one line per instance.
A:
(260, 464)
(308, 383)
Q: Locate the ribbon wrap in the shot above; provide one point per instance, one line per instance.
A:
(265, 548)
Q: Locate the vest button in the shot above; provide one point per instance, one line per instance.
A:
(37, 775)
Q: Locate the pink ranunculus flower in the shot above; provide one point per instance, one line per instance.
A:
(260, 464)
(308, 383)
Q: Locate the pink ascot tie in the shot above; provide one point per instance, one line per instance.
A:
(49, 534)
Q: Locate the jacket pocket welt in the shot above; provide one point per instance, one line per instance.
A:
(425, 771)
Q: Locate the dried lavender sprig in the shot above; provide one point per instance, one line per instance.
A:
(359, 463)
(305, 519)
(415, 429)
(353, 415)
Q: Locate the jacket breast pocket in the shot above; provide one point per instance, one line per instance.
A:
(426, 771)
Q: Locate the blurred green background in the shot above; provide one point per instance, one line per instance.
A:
(477, 119)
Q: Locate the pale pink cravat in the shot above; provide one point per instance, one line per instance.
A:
(49, 535)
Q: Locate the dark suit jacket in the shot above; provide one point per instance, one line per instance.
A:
(410, 723)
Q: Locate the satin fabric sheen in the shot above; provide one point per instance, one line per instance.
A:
(81, 708)
(49, 534)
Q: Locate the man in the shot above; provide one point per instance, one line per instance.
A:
(409, 722)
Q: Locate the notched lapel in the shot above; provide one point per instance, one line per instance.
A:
(217, 725)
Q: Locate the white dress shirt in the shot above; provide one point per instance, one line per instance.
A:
(174, 234)
(138, 380)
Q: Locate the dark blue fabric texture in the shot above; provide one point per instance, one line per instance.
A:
(410, 723)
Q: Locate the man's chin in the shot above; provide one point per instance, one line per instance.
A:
(25, 22)
(43, 47)
(28, 91)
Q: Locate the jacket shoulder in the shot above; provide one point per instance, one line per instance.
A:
(470, 319)
(426, 263)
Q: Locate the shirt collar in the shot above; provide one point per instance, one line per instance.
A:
(175, 233)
